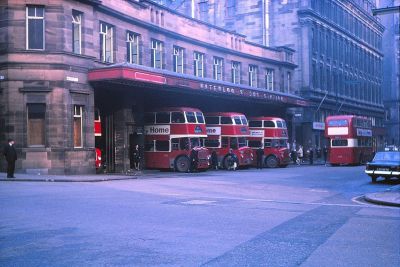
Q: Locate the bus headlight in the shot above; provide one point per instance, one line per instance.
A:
(99, 158)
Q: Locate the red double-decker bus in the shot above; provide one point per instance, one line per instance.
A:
(270, 133)
(350, 139)
(228, 130)
(170, 136)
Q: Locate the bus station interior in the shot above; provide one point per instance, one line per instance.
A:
(122, 105)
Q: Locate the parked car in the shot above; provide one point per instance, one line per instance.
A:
(385, 164)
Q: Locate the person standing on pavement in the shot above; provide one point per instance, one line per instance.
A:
(325, 152)
(300, 155)
(194, 159)
(136, 157)
(260, 154)
(214, 160)
(11, 156)
(311, 155)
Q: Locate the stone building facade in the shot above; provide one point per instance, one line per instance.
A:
(339, 53)
(62, 60)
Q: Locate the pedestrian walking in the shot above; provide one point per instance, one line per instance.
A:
(300, 155)
(325, 152)
(311, 155)
(214, 160)
(194, 160)
(137, 156)
(11, 157)
(259, 154)
(232, 160)
(293, 153)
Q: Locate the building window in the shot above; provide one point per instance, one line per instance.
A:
(35, 27)
(156, 54)
(236, 68)
(78, 122)
(231, 8)
(269, 79)
(217, 68)
(106, 42)
(198, 64)
(36, 114)
(288, 82)
(132, 47)
(76, 32)
(253, 76)
(178, 59)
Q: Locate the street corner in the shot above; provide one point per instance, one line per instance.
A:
(390, 197)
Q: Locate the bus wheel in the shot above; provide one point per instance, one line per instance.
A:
(182, 164)
(271, 162)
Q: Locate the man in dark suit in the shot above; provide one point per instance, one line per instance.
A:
(260, 154)
(11, 156)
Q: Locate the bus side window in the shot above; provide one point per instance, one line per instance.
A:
(211, 143)
(224, 142)
(226, 120)
(177, 117)
(149, 118)
(255, 124)
(184, 143)
(162, 117)
(162, 145)
(212, 120)
(234, 142)
(279, 123)
(269, 124)
(254, 144)
(149, 145)
(175, 144)
(267, 143)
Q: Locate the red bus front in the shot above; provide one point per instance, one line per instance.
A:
(228, 130)
(172, 137)
(270, 133)
(350, 139)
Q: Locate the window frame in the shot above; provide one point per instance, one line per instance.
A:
(132, 41)
(28, 132)
(77, 21)
(35, 17)
(104, 39)
(198, 63)
(157, 49)
(253, 73)
(81, 116)
(218, 65)
(269, 79)
(178, 57)
(236, 72)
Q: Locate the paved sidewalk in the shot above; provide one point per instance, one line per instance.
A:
(390, 197)
(23, 177)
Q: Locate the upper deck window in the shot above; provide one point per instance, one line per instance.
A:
(244, 120)
(226, 120)
(269, 124)
(149, 118)
(338, 123)
(162, 117)
(190, 117)
(237, 120)
(177, 117)
(212, 120)
(255, 124)
(200, 117)
(279, 123)
(284, 125)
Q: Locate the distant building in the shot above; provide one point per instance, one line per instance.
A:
(391, 71)
(62, 62)
(339, 53)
